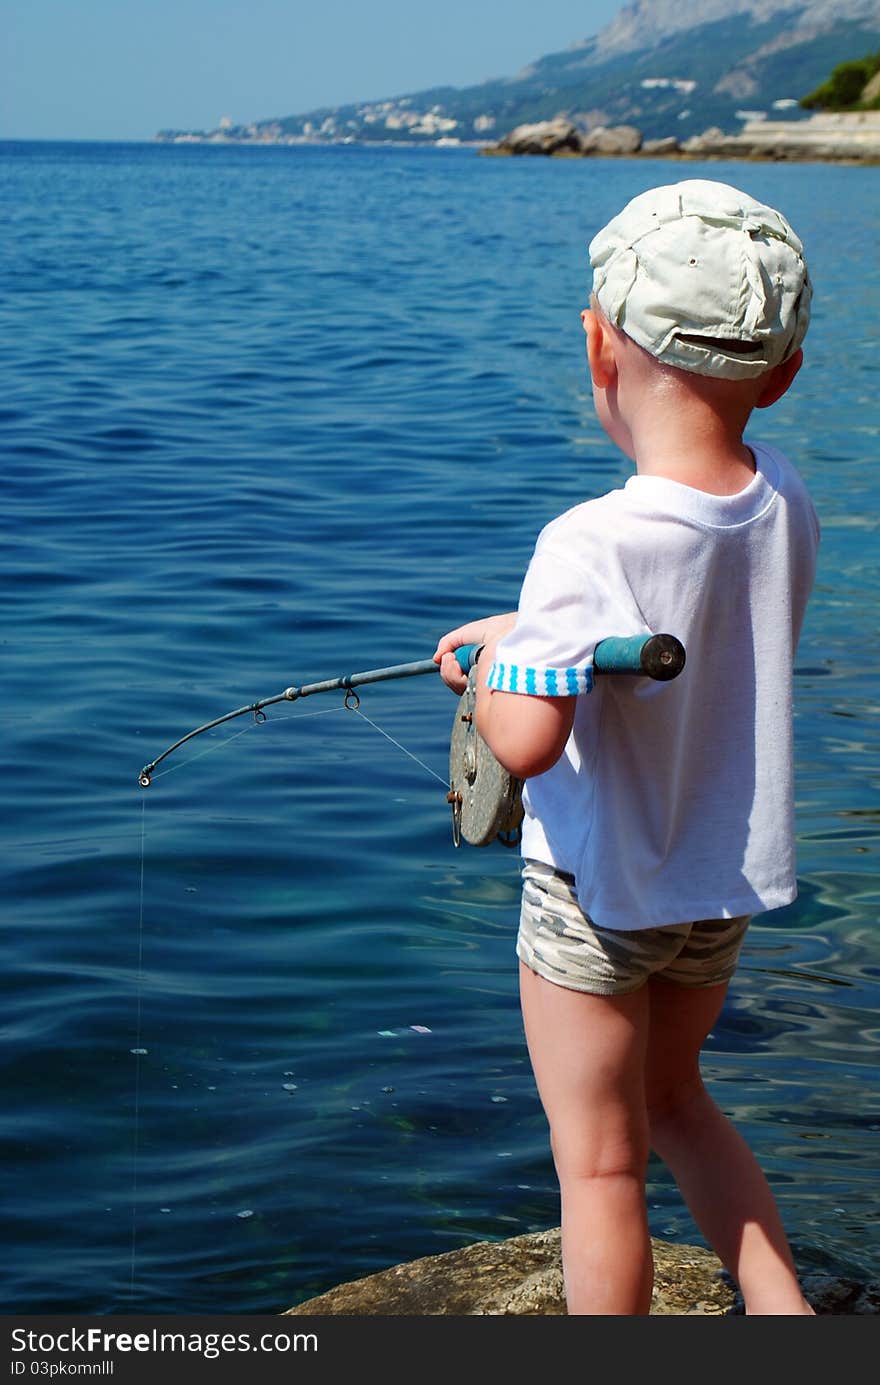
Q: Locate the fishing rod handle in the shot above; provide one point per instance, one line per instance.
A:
(661, 657)
(467, 655)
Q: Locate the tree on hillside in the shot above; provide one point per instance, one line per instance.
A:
(843, 89)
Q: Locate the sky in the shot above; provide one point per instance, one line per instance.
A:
(123, 69)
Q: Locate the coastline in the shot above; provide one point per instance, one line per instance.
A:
(308, 142)
(849, 138)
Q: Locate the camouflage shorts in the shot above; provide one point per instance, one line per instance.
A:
(559, 942)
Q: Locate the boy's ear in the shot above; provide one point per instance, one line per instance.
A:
(600, 350)
(778, 380)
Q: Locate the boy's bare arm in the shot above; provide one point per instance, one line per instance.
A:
(526, 734)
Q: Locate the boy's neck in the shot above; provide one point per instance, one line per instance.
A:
(696, 447)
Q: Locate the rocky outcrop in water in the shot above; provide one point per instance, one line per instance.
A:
(852, 137)
(557, 136)
(561, 136)
(612, 139)
(523, 1277)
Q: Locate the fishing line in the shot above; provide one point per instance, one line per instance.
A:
(347, 682)
(363, 716)
(137, 1050)
(227, 740)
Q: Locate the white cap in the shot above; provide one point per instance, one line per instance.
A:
(700, 259)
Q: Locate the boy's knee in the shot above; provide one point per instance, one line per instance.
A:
(578, 1159)
(671, 1102)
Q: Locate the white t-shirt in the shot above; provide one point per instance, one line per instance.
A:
(672, 801)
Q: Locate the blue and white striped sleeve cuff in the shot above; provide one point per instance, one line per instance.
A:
(540, 682)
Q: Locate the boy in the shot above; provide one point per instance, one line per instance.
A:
(659, 816)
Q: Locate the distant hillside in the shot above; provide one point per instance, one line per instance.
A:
(668, 67)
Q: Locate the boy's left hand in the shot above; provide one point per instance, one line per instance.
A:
(474, 632)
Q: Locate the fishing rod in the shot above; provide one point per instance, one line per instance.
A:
(653, 656)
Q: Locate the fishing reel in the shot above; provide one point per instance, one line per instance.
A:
(486, 799)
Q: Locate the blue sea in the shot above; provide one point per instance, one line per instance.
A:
(274, 415)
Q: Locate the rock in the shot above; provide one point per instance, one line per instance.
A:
(837, 136)
(709, 142)
(480, 1279)
(829, 1294)
(523, 1277)
(871, 91)
(561, 136)
(615, 139)
(661, 147)
(546, 137)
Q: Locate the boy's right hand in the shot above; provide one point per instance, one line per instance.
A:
(475, 632)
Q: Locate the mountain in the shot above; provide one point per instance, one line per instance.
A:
(668, 67)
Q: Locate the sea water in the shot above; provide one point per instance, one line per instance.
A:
(270, 416)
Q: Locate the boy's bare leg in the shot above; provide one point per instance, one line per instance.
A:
(588, 1055)
(716, 1171)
